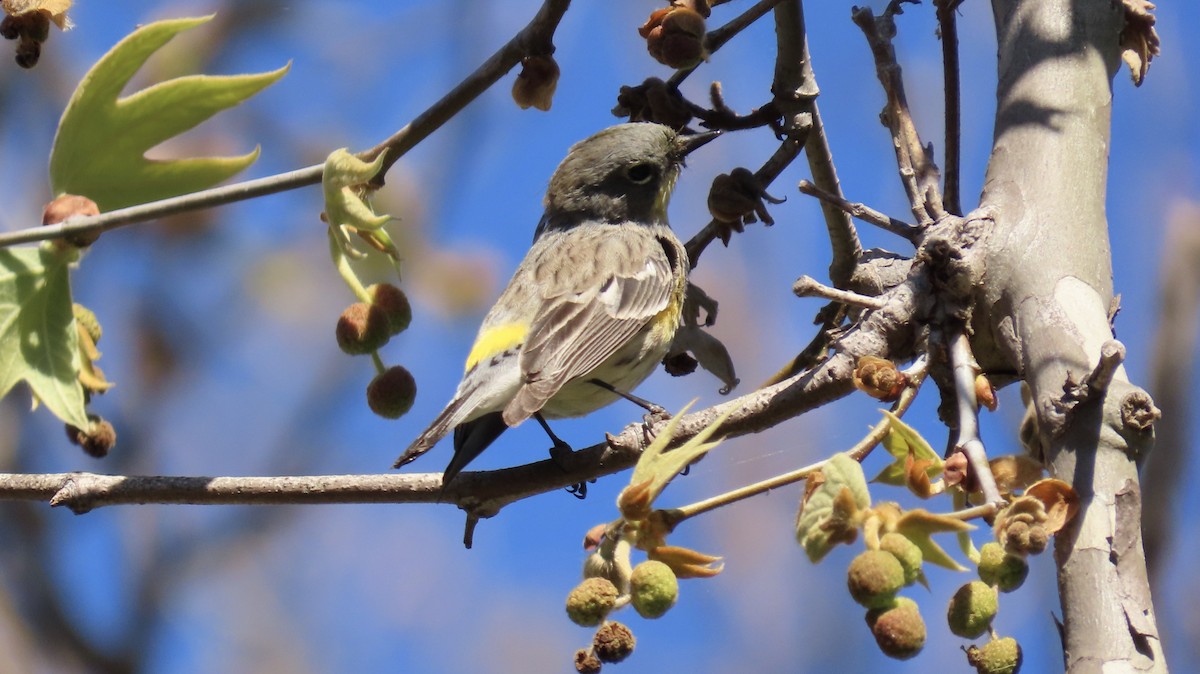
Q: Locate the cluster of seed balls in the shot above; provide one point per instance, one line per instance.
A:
(363, 328)
(653, 589)
(876, 576)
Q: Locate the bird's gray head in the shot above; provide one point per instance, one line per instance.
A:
(623, 173)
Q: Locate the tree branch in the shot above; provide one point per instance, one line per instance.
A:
(536, 35)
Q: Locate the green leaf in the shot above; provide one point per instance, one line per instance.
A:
(38, 338)
(829, 513)
(657, 466)
(920, 525)
(99, 149)
(900, 441)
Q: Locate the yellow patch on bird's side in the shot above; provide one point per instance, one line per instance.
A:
(496, 340)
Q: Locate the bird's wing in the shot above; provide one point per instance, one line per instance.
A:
(595, 299)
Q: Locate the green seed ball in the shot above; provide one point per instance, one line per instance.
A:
(906, 552)
(1000, 568)
(999, 656)
(898, 628)
(971, 609)
(874, 578)
(653, 588)
(590, 601)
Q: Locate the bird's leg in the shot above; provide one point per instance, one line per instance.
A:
(558, 453)
(654, 413)
(654, 410)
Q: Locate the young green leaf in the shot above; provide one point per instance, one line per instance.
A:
(829, 513)
(99, 149)
(38, 337)
(908, 447)
(920, 525)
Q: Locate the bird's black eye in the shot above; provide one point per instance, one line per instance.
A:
(640, 174)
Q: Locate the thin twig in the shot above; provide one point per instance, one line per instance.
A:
(807, 286)
(538, 33)
(969, 442)
(918, 172)
(861, 211)
(947, 16)
(860, 450)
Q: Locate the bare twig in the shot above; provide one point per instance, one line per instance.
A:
(947, 16)
(807, 286)
(918, 171)
(861, 211)
(969, 442)
(860, 450)
(535, 36)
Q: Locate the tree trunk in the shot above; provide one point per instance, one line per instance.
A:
(1046, 301)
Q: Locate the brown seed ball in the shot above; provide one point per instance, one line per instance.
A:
(972, 609)
(898, 628)
(613, 642)
(391, 394)
(394, 303)
(362, 328)
(874, 578)
(586, 662)
(590, 601)
(99, 438)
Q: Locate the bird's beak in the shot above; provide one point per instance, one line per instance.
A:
(688, 143)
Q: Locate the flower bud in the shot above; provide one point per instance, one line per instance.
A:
(879, 378)
(391, 394)
(97, 440)
(536, 83)
(654, 588)
(362, 328)
(998, 656)
(613, 642)
(971, 609)
(874, 578)
(590, 601)
(1002, 569)
(898, 628)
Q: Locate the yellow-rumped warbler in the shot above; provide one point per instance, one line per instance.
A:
(593, 306)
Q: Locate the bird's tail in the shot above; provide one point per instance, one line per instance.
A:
(449, 418)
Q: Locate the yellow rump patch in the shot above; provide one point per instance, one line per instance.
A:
(496, 340)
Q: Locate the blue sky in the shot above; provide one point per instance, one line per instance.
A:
(246, 302)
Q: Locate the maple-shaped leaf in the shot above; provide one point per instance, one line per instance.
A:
(920, 525)
(915, 461)
(38, 337)
(100, 147)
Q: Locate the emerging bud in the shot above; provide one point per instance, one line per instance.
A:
(67, 206)
(972, 609)
(874, 578)
(898, 628)
(391, 394)
(675, 36)
(86, 319)
(613, 642)
(985, 395)
(536, 83)
(590, 601)
(1002, 569)
(879, 378)
(999, 656)
(654, 589)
